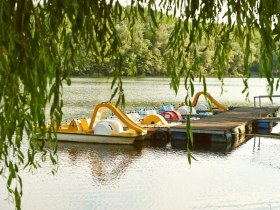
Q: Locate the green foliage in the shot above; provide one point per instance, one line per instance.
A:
(42, 42)
(143, 52)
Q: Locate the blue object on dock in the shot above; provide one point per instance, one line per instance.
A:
(263, 124)
(165, 108)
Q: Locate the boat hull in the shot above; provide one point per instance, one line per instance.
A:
(90, 138)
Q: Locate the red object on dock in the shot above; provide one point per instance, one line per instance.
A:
(171, 115)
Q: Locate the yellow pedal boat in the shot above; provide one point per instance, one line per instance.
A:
(95, 130)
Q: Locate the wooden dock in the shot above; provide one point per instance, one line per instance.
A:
(229, 125)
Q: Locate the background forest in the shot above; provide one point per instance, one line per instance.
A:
(145, 54)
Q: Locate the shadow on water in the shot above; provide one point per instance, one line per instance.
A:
(204, 144)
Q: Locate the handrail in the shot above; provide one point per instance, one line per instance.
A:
(263, 96)
(207, 95)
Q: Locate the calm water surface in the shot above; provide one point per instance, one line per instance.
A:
(93, 176)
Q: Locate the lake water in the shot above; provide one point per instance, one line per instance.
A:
(94, 176)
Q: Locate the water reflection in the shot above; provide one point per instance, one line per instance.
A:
(203, 144)
(264, 150)
(106, 162)
(257, 143)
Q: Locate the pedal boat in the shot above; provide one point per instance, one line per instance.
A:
(95, 130)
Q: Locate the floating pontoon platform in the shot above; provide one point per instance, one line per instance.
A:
(232, 124)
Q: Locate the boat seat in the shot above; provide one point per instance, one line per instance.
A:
(84, 124)
(74, 126)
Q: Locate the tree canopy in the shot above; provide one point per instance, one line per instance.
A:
(146, 54)
(40, 42)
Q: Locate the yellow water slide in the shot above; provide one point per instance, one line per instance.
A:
(97, 113)
(207, 95)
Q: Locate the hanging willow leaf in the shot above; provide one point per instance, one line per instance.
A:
(189, 154)
(189, 130)
(152, 14)
(114, 93)
(277, 84)
(204, 85)
(245, 82)
(141, 12)
(17, 198)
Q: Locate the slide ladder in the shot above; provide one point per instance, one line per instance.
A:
(207, 95)
(97, 113)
